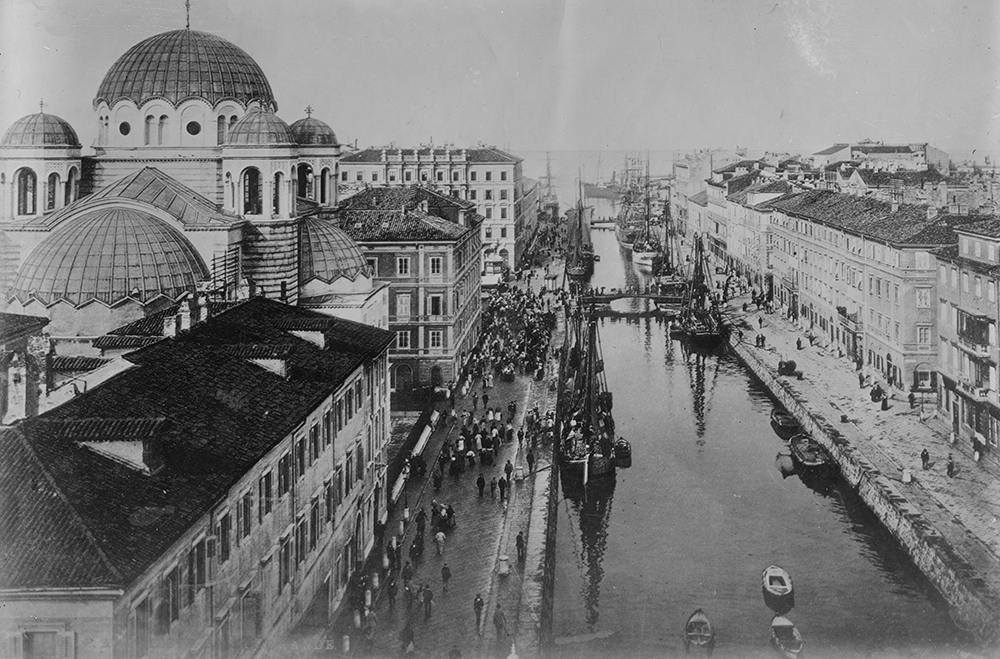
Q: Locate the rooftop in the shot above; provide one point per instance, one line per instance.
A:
(480, 154)
(14, 326)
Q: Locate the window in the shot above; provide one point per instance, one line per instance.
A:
(327, 430)
(284, 562)
(301, 538)
(440, 176)
(252, 192)
(472, 176)
(349, 404)
(924, 335)
(403, 340)
(51, 194)
(489, 176)
(403, 305)
(503, 193)
(328, 500)
(489, 232)
(284, 474)
(172, 593)
(314, 445)
(220, 131)
(360, 454)
(147, 130)
(435, 305)
(454, 176)
(392, 176)
(264, 486)
(197, 574)
(954, 278)
(27, 193)
(343, 176)
(488, 195)
(161, 129)
(359, 398)
(472, 195)
(403, 266)
(374, 177)
(141, 631)
(250, 614)
(895, 330)
(503, 176)
(923, 298)
(225, 536)
(359, 175)
(193, 128)
(348, 472)
(423, 177)
(503, 212)
(314, 523)
(124, 128)
(246, 513)
(300, 456)
(435, 338)
(489, 212)
(895, 294)
(340, 414)
(965, 282)
(979, 285)
(503, 230)
(338, 486)
(408, 176)
(435, 265)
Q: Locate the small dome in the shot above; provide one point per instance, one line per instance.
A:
(313, 131)
(109, 254)
(185, 64)
(41, 130)
(328, 253)
(258, 128)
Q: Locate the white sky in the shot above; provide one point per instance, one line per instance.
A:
(548, 74)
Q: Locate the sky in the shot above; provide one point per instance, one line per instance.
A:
(792, 75)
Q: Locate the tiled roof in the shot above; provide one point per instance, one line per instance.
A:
(883, 148)
(765, 186)
(398, 226)
(386, 198)
(480, 155)
(742, 164)
(221, 415)
(701, 198)
(739, 183)
(14, 325)
(880, 178)
(989, 227)
(151, 186)
(68, 364)
(830, 150)
(870, 217)
(99, 429)
(110, 342)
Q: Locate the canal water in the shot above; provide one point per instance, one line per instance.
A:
(704, 509)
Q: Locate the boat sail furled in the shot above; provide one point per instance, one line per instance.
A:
(701, 321)
(646, 249)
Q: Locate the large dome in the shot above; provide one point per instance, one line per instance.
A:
(109, 254)
(327, 253)
(311, 132)
(41, 130)
(185, 64)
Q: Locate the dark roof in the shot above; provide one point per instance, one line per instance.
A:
(310, 131)
(883, 148)
(870, 217)
(477, 155)
(69, 364)
(830, 150)
(386, 198)
(989, 227)
(259, 127)
(221, 414)
(742, 164)
(765, 186)
(109, 342)
(881, 178)
(14, 325)
(398, 226)
(737, 184)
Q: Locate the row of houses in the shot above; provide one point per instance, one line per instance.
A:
(907, 292)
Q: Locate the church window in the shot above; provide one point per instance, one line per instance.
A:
(27, 192)
(276, 197)
(252, 192)
(52, 193)
(220, 131)
(147, 133)
(193, 128)
(124, 128)
(232, 121)
(323, 176)
(162, 129)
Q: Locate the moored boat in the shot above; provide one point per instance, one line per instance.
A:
(623, 453)
(784, 424)
(808, 454)
(786, 638)
(776, 585)
(698, 632)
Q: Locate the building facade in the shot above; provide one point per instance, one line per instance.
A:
(229, 478)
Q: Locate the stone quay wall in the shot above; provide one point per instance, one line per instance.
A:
(974, 605)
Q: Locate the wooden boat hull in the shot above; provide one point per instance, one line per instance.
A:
(646, 258)
(777, 589)
(809, 455)
(698, 632)
(784, 424)
(623, 454)
(786, 638)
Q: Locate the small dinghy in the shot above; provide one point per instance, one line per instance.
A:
(623, 453)
(784, 424)
(785, 638)
(698, 632)
(776, 584)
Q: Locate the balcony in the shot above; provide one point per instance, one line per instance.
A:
(977, 349)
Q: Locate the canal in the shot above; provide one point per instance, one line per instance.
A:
(704, 509)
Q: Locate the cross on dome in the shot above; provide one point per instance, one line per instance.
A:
(187, 10)
(41, 105)
(309, 110)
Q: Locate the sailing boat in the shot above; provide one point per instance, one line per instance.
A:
(646, 250)
(580, 259)
(701, 321)
(587, 428)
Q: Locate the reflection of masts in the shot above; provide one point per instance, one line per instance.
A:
(594, 507)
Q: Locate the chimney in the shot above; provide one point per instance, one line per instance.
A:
(184, 315)
(170, 324)
(932, 211)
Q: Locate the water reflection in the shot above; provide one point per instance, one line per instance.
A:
(590, 508)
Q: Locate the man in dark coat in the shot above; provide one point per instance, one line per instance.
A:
(477, 605)
(519, 541)
(445, 577)
(428, 601)
(530, 460)
(481, 484)
(508, 469)
(391, 591)
(502, 483)
(500, 622)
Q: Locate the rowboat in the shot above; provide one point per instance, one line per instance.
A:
(784, 424)
(698, 631)
(785, 638)
(776, 585)
(808, 454)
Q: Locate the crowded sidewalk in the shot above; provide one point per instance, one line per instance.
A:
(963, 506)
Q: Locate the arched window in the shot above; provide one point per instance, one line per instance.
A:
(279, 182)
(221, 130)
(324, 178)
(71, 186)
(162, 129)
(52, 192)
(304, 188)
(27, 192)
(232, 121)
(147, 130)
(252, 192)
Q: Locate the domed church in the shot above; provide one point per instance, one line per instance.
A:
(194, 183)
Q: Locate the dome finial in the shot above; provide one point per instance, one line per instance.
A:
(41, 105)
(187, 10)
(309, 110)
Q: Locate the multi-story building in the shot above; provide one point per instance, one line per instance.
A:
(724, 182)
(486, 176)
(879, 155)
(967, 317)
(859, 274)
(688, 180)
(749, 222)
(426, 245)
(196, 503)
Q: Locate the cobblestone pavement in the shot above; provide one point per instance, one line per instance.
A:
(964, 508)
(484, 531)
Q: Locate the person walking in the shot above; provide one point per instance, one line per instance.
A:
(481, 484)
(477, 605)
(439, 541)
(406, 639)
(486, 400)
(445, 577)
(503, 489)
(500, 623)
(519, 542)
(475, 400)
(493, 488)
(428, 602)
(508, 469)
(925, 458)
(951, 466)
(407, 573)
(530, 460)
(390, 590)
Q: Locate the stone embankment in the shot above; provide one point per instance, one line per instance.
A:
(973, 597)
